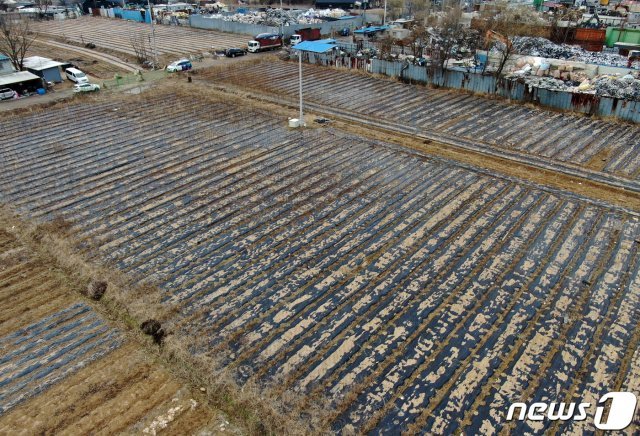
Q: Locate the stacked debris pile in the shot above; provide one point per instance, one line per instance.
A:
(280, 17)
(461, 43)
(535, 46)
(627, 87)
(618, 86)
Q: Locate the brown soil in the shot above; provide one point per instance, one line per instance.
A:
(92, 66)
(124, 392)
(55, 274)
(599, 160)
(127, 391)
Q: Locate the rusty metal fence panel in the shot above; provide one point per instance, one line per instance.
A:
(510, 89)
(326, 28)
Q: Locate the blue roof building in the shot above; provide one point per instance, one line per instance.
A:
(320, 46)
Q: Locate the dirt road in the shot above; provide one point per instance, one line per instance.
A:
(107, 58)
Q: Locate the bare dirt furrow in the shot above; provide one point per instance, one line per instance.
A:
(339, 265)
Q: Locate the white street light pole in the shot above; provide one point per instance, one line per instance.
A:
(301, 117)
(153, 36)
(384, 15)
(281, 21)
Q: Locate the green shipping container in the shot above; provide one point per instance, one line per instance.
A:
(615, 34)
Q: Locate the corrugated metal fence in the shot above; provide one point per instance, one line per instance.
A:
(203, 22)
(125, 14)
(511, 89)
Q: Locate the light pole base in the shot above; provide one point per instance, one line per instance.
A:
(294, 123)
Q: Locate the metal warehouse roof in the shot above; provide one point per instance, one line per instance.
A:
(38, 63)
(21, 76)
(325, 41)
(315, 46)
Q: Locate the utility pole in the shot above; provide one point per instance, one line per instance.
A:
(384, 15)
(153, 36)
(281, 21)
(301, 116)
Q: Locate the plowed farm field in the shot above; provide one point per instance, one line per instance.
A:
(547, 138)
(65, 370)
(97, 68)
(116, 35)
(408, 292)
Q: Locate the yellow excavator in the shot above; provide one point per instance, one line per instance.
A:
(492, 35)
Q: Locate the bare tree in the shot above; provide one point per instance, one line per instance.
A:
(501, 44)
(418, 40)
(15, 38)
(469, 42)
(503, 24)
(394, 8)
(43, 6)
(571, 17)
(386, 47)
(139, 45)
(447, 36)
(418, 8)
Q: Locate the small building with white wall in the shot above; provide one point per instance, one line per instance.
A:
(45, 68)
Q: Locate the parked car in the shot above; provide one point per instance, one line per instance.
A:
(6, 93)
(233, 52)
(181, 65)
(86, 87)
(75, 75)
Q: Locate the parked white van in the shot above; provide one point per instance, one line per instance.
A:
(76, 75)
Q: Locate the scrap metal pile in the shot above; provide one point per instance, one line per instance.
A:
(542, 47)
(626, 87)
(278, 17)
(537, 74)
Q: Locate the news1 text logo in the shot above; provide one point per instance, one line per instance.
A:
(622, 408)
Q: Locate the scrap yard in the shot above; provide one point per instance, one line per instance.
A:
(325, 219)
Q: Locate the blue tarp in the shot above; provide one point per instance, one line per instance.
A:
(372, 29)
(315, 46)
